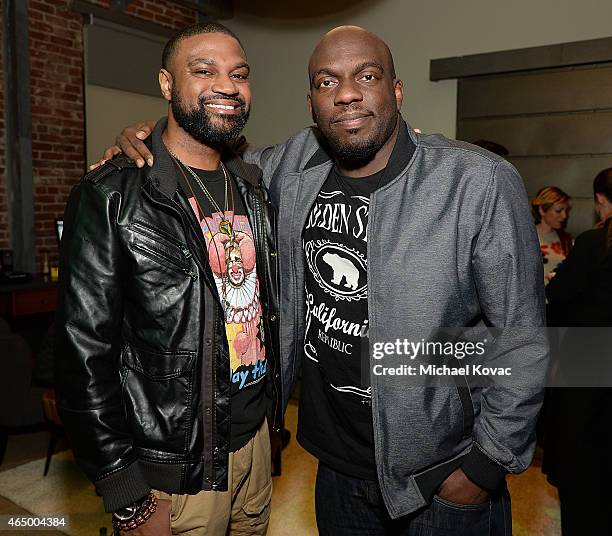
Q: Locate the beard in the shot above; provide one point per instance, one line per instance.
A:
(360, 147)
(205, 126)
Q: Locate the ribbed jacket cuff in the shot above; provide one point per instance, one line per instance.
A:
(482, 470)
(122, 488)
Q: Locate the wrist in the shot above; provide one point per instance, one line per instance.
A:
(136, 514)
(482, 470)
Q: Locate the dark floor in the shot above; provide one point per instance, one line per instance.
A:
(21, 449)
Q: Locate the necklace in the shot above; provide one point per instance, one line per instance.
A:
(207, 192)
(225, 225)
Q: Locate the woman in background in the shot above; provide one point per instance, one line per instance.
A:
(550, 208)
(578, 435)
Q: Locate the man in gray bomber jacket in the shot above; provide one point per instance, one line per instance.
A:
(385, 233)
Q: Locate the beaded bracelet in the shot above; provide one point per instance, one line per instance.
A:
(144, 512)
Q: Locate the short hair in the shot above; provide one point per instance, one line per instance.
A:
(195, 29)
(603, 185)
(546, 198)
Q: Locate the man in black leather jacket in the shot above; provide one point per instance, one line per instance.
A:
(167, 347)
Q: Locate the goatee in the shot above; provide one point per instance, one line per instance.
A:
(205, 126)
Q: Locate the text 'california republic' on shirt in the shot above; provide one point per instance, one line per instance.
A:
(335, 404)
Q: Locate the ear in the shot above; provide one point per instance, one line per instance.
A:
(311, 109)
(165, 84)
(398, 88)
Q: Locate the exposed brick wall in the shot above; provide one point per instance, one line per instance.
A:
(56, 88)
(162, 12)
(58, 115)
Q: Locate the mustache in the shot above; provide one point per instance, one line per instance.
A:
(238, 99)
(349, 112)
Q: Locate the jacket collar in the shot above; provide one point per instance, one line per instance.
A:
(164, 175)
(403, 150)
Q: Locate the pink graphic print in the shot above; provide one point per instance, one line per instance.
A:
(232, 260)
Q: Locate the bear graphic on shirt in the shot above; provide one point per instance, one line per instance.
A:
(342, 269)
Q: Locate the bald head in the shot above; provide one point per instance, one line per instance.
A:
(354, 96)
(350, 40)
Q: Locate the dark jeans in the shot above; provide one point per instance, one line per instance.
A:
(347, 506)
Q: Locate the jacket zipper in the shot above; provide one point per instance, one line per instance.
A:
(258, 228)
(213, 366)
(157, 256)
(186, 220)
(296, 342)
(213, 413)
(156, 233)
(213, 363)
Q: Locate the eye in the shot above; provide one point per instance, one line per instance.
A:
(204, 72)
(327, 83)
(369, 77)
(240, 76)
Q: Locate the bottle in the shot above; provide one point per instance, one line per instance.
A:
(45, 269)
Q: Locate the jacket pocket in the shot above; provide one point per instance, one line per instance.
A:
(457, 506)
(156, 365)
(429, 480)
(257, 508)
(159, 398)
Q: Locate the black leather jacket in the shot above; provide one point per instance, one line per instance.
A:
(142, 359)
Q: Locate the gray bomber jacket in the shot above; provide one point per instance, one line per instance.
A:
(451, 240)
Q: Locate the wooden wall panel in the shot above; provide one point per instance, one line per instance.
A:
(570, 174)
(556, 125)
(538, 93)
(590, 52)
(582, 216)
(108, 65)
(547, 135)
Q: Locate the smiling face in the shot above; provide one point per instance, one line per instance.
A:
(354, 95)
(207, 84)
(556, 216)
(235, 267)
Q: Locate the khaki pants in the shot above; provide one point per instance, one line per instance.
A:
(243, 510)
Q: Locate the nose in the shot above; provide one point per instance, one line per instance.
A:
(225, 85)
(348, 93)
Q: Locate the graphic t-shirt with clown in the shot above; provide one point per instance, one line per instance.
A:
(231, 255)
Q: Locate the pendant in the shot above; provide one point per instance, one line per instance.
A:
(225, 227)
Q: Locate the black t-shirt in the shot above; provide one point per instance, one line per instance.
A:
(335, 406)
(231, 255)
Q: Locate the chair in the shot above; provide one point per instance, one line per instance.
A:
(56, 428)
(20, 408)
